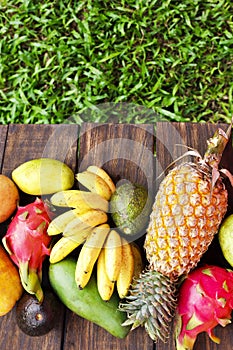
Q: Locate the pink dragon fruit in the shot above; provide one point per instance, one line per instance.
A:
(205, 300)
(28, 244)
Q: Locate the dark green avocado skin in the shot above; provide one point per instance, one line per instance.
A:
(130, 207)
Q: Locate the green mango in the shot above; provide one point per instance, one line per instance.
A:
(225, 236)
(87, 302)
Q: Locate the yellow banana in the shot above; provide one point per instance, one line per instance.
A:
(127, 269)
(89, 254)
(102, 173)
(82, 200)
(65, 246)
(104, 285)
(113, 255)
(138, 263)
(94, 183)
(58, 224)
(91, 218)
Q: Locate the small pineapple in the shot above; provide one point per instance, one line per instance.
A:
(188, 209)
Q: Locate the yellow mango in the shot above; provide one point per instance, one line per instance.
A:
(9, 197)
(43, 176)
(10, 285)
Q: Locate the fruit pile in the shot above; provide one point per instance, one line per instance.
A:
(117, 260)
(189, 207)
(106, 261)
(92, 261)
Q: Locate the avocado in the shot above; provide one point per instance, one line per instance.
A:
(130, 207)
(34, 318)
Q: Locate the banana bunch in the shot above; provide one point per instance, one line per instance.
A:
(117, 261)
(96, 180)
(87, 209)
(85, 223)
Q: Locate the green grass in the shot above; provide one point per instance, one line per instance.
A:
(59, 59)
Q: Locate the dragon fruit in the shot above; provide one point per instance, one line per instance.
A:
(205, 300)
(28, 244)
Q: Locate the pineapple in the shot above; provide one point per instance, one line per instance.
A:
(188, 209)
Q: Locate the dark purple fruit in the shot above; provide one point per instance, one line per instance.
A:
(34, 318)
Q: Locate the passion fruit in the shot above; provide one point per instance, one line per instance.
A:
(130, 206)
(35, 318)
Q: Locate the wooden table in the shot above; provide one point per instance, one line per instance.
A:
(126, 152)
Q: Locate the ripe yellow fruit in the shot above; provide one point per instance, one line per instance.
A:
(10, 285)
(9, 197)
(94, 183)
(113, 255)
(104, 284)
(125, 276)
(186, 215)
(138, 262)
(43, 176)
(82, 200)
(102, 173)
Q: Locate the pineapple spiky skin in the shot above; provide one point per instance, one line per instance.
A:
(154, 298)
(188, 209)
(185, 217)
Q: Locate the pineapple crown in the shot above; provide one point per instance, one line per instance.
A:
(216, 146)
(212, 157)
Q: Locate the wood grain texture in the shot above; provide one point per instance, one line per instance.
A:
(26, 142)
(13, 338)
(82, 334)
(3, 135)
(123, 150)
(195, 136)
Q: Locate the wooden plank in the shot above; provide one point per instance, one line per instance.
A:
(26, 142)
(3, 134)
(125, 152)
(194, 135)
